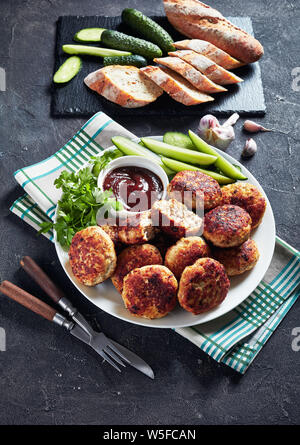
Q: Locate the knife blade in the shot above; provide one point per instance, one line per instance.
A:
(98, 339)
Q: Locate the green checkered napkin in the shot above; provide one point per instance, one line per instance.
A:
(235, 338)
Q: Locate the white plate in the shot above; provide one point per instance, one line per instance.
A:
(105, 296)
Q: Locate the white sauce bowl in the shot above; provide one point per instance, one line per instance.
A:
(135, 161)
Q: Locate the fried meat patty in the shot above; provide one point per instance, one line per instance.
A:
(227, 226)
(199, 187)
(248, 197)
(203, 286)
(184, 253)
(112, 231)
(92, 256)
(175, 219)
(238, 260)
(150, 291)
(133, 257)
(137, 229)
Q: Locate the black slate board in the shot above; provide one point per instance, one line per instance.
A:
(75, 99)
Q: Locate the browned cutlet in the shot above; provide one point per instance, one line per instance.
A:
(238, 260)
(133, 257)
(150, 291)
(136, 229)
(203, 286)
(248, 197)
(174, 218)
(92, 256)
(202, 189)
(184, 253)
(112, 231)
(227, 226)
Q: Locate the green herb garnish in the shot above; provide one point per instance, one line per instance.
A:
(99, 162)
(81, 199)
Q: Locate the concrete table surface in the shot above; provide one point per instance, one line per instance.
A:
(47, 377)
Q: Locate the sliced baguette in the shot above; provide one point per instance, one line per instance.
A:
(123, 85)
(176, 86)
(198, 80)
(197, 20)
(207, 67)
(209, 50)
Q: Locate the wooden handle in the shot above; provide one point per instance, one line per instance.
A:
(39, 276)
(27, 300)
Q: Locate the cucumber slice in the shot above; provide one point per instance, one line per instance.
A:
(118, 40)
(178, 139)
(67, 70)
(221, 163)
(178, 166)
(134, 60)
(181, 154)
(89, 35)
(148, 28)
(93, 51)
(130, 148)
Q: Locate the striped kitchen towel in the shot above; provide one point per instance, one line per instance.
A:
(38, 180)
(235, 338)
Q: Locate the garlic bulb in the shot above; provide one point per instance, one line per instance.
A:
(208, 121)
(214, 133)
(253, 127)
(250, 148)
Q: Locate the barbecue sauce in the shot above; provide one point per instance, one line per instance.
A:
(137, 188)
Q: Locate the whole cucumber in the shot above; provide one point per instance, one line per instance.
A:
(148, 28)
(134, 60)
(118, 40)
(88, 35)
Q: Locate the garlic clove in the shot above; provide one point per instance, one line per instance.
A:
(231, 120)
(250, 148)
(253, 127)
(223, 137)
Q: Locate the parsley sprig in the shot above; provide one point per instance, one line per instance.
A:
(81, 199)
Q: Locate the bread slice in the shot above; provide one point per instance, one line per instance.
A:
(190, 73)
(209, 50)
(176, 86)
(123, 85)
(197, 20)
(206, 66)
